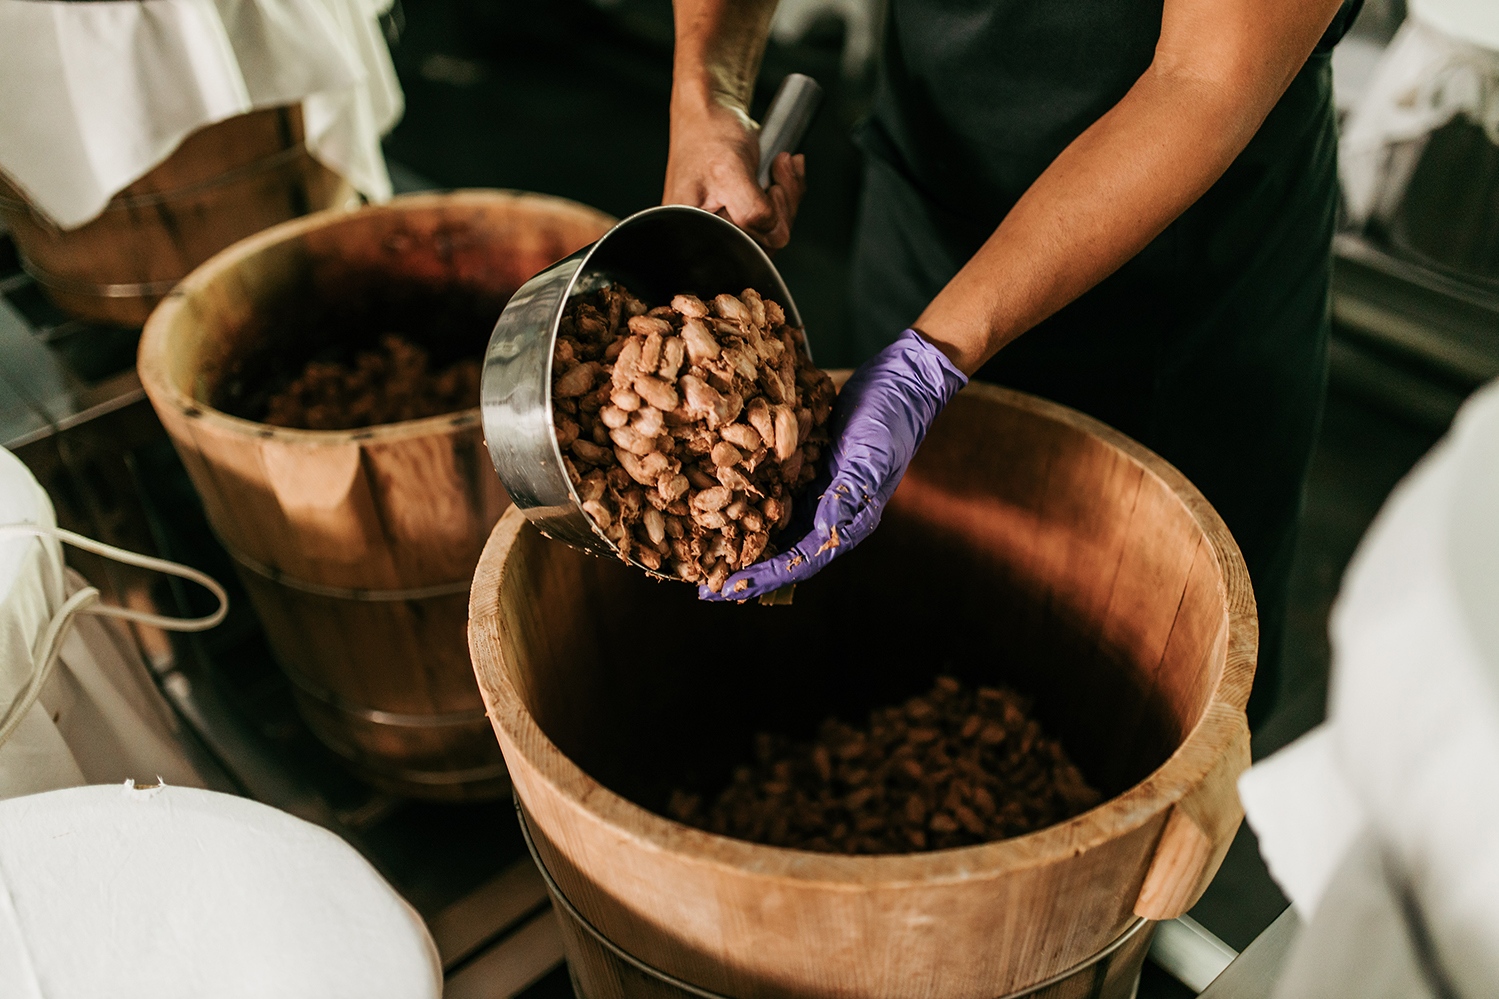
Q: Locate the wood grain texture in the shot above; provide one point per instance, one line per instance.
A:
(383, 680)
(1028, 544)
(224, 182)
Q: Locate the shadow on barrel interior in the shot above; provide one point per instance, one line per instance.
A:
(648, 689)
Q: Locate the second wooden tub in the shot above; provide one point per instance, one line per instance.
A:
(1028, 545)
(357, 546)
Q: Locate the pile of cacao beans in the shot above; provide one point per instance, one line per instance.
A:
(394, 380)
(954, 767)
(687, 428)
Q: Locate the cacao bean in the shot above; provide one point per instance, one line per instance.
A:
(724, 453)
(672, 486)
(647, 422)
(647, 325)
(591, 452)
(731, 308)
(600, 512)
(712, 498)
(759, 416)
(787, 436)
(655, 526)
(576, 381)
(702, 345)
(626, 366)
(756, 305)
(632, 441)
(656, 392)
(672, 352)
(742, 436)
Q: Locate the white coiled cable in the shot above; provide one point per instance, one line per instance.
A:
(86, 601)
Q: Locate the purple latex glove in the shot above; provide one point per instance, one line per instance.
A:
(879, 420)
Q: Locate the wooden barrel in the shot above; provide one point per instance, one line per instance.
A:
(1028, 545)
(224, 182)
(357, 546)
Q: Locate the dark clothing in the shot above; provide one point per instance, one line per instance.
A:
(1209, 346)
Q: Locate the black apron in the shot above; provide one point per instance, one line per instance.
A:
(1210, 346)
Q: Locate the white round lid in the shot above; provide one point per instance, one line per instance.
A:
(177, 892)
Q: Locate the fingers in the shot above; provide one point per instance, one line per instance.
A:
(766, 215)
(846, 515)
(789, 174)
(806, 559)
(750, 208)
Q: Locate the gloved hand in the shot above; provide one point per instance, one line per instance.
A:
(880, 418)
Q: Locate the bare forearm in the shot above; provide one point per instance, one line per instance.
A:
(714, 159)
(1109, 193)
(719, 45)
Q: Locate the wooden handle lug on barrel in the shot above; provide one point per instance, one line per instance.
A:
(1199, 829)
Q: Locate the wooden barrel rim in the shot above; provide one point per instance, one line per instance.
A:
(153, 348)
(1187, 766)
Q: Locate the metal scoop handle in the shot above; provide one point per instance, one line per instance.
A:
(787, 120)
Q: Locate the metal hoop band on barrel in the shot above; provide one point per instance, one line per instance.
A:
(689, 989)
(441, 719)
(275, 575)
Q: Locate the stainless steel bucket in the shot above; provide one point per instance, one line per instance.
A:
(657, 253)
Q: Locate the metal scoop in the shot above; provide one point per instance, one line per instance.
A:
(657, 253)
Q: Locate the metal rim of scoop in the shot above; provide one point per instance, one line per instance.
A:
(656, 253)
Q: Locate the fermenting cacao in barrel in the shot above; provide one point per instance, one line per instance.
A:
(1030, 548)
(357, 545)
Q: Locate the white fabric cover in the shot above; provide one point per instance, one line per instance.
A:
(1475, 21)
(95, 95)
(1429, 74)
(100, 717)
(1305, 814)
(1410, 754)
(1362, 924)
(168, 892)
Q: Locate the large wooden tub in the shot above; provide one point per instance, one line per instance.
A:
(1029, 545)
(357, 546)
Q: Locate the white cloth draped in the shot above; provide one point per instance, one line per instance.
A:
(1405, 772)
(95, 95)
(1430, 73)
